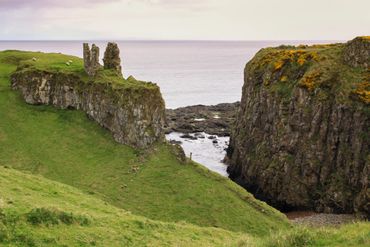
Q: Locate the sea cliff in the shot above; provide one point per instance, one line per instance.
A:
(301, 136)
(133, 111)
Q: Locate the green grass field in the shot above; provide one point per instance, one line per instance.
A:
(38, 212)
(121, 196)
(35, 211)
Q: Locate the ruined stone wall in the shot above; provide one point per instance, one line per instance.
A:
(91, 59)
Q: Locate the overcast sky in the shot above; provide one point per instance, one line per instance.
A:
(184, 19)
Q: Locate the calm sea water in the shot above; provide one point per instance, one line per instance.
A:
(188, 72)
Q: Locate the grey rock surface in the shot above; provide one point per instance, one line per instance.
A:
(214, 120)
(305, 149)
(134, 117)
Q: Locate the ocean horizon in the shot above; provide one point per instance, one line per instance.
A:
(189, 72)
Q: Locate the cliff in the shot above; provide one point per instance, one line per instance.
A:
(301, 136)
(133, 111)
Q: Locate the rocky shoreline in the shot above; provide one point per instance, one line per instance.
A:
(216, 120)
(213, 120)
(320, 219)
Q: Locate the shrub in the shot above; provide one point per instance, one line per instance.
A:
(48, 217)
(363, 92)
(311, 80)
(40, 216)
(3, 233)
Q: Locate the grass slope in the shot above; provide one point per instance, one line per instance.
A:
(63, 145)
(37, 212)
(351, 235)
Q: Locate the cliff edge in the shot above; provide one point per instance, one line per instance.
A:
(301, 136)
(133, 111)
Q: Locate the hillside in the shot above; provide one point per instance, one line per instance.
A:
(301, 138)
(37, 212)
(63, 145)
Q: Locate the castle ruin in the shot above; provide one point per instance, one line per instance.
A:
(112, 60)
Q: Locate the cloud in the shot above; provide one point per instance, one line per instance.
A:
(179, 4)
(14, 4)
(182, 19)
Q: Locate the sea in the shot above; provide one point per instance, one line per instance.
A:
(188, 73)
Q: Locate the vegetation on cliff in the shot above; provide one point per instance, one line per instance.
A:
(318, 68)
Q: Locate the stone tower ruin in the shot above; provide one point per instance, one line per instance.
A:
(91, 59)
(111, 58)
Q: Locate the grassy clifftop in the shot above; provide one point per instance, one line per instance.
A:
(61, 63)
(63, 145)
(320, 69)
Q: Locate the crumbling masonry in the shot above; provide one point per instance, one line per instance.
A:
(111, 59)
(91, 59)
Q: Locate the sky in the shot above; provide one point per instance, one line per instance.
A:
(184, 19)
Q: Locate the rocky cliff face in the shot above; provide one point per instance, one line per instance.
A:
(301, 137)
(133, 111)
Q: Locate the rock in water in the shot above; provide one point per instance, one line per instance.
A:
(111, 58)
(301, 137)
(91, 59)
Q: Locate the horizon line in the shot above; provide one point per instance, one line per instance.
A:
(173, 40)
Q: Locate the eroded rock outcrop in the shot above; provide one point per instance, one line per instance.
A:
(133, 111)
(301, 137)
